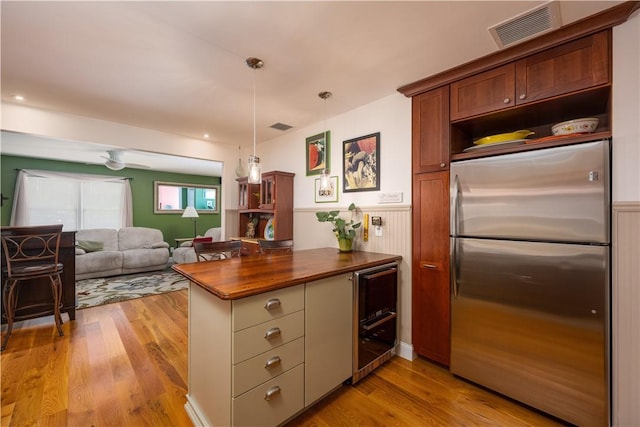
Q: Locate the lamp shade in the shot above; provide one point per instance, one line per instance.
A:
(190, 212)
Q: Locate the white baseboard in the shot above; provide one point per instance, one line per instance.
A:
(405, 351)
(194, 413)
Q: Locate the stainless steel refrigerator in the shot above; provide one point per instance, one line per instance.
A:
(530, 278)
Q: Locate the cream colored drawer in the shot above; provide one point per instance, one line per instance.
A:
(267, 336)
(266, 366)
(271, 403)
(260, 308)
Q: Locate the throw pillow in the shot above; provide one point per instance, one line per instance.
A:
(90, 245)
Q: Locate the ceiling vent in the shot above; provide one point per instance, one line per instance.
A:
(280, 126)
(527, 25)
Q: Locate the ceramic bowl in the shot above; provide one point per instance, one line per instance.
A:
(585, 125)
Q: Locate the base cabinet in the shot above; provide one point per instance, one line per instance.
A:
(262, 359)
(328, 335)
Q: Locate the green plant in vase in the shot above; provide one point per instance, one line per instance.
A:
(345, 230)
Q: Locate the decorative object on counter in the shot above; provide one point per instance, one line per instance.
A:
(329, 194)
(344, 230)
(504, 137)
(584, 125)
(190, 212)
(361, 164)
(251, 228)
(269, 230)
(254, 172)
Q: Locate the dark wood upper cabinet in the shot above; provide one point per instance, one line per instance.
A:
(571, 67)
(430, 137)
(484, 92)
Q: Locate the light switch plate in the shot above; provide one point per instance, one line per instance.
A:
(390, 197)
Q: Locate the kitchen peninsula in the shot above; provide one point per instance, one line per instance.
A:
(270, 335)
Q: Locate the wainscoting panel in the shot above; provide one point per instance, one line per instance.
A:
(308, 233)
(626, 313)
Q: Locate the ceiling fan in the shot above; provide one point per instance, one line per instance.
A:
(116, 163)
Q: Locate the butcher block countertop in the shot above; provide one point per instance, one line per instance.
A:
(244, 276)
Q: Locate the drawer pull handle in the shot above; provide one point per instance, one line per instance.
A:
(272, 333)
(272, 303)
(507, 100)
(272, 392)
(430, 266)
(272, 362)
(523, 96)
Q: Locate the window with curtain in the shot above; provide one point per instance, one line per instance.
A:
(78, 201)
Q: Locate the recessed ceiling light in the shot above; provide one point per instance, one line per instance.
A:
(18, 97)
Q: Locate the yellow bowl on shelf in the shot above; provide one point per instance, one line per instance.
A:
(503, 137)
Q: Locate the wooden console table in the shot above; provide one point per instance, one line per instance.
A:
(42, 293)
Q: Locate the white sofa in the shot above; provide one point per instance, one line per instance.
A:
(185, 252)
(124, 251)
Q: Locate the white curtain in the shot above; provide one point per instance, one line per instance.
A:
(78, 201)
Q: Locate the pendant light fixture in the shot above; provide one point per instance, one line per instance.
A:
(254, 173)
(325, 179)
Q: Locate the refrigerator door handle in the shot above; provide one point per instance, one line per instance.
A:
(455, 285)
(455, 219)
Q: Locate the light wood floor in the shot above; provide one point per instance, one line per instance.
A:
(125, 364)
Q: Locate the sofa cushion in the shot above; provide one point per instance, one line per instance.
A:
(99, 261)
(138, 237)
(138, 258)
(108, 237)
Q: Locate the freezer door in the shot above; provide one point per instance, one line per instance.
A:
(530, 320)
(558, 194)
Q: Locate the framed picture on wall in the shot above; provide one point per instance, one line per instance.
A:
(326, 196)
(361, 163)
(318, 154)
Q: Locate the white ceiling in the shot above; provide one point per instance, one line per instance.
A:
(179, 66)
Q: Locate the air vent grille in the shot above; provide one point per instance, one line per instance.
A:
(280, 126)
(527, 25)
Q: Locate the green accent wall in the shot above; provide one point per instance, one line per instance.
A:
(172, 225)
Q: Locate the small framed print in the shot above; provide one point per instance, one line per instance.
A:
(326, 196)
(318, 154)
(361, 163)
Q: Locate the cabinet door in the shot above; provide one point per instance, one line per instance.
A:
(567, 68)
(430, 141)
(328, 335)
(483, 92)
(430, 266)
(268, 192)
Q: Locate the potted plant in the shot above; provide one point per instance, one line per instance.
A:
(343, 229)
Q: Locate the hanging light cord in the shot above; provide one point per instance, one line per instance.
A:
(254, 111)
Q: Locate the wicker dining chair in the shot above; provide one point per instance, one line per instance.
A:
(31, 253)
(209, 251)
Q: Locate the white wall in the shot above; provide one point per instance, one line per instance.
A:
(626, 111)
(391, 116)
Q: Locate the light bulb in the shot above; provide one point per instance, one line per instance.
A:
(254, 173)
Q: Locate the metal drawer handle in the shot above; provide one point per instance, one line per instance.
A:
(272, 333)
(272, 392)
(523, 96)
(272, 303)
(429, 266)
(507, 100)
(275, 360)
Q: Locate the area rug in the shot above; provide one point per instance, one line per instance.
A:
(93, 292)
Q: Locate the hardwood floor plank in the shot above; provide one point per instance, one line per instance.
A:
(125, 364)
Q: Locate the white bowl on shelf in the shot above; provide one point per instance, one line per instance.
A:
(585, 125)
